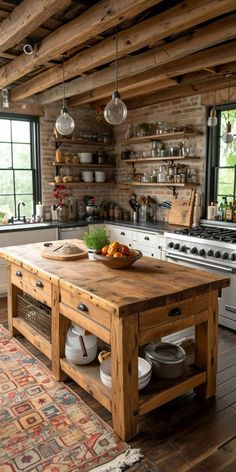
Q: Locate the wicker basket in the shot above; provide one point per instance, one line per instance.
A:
(35, 313)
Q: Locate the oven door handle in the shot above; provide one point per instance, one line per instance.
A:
(205, 264)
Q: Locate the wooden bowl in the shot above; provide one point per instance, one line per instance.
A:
(116, 262)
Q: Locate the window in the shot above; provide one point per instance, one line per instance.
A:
(221, 177)
(19, 164)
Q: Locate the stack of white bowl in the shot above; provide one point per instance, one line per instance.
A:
(144, 372)
(73, 351)
(87, 175)
(85, 157)
(100, 176)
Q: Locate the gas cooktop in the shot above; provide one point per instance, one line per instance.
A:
(213, 234)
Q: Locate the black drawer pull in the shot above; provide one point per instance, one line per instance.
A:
(39, 284)
(174, 312)
(18, 273)
(82, 307)
(147, 238)
(122, 233)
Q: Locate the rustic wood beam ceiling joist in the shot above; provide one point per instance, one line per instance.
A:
(223, 54)
(99, 18)
(27, 16)
(180, 91)
(202, 38)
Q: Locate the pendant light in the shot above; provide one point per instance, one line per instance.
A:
(115, 111)
(212, 120)
(227, 136)
(64, 124)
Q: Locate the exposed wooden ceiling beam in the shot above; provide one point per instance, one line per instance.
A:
(202, 38)
(180, 91)
(97, 19)
(24, 108)
(27, 16)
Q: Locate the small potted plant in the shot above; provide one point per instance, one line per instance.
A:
(95, 240)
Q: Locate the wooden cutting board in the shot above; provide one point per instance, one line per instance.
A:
(50, 253)
(181, 211)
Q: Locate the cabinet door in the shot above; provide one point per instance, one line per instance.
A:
(149, 251)
(120, 233)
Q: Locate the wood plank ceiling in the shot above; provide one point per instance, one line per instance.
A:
(167, 49)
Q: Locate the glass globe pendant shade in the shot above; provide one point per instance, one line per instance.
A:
(65, 124)
(212, 120)
(227, 136)
(115, 111)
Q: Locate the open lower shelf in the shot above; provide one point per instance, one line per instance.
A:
(33, 336)
(155, 394)
(160, 184)
(157, 159)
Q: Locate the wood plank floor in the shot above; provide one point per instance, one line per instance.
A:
(187, 434)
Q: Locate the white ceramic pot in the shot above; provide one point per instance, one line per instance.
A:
(85, 157)
(100, 176)
(87, 175)
(74, 350)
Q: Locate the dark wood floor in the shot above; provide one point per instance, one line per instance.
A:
(187, 434)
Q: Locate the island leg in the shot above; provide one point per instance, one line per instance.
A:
(59, 328)
(206, 339)
(12, 304)
(124, 347)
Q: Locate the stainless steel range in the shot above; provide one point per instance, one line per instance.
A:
(212, 249)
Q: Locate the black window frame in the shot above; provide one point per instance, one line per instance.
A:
(35, 153)
(213, 157)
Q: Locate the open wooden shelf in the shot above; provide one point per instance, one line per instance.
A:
(80, 142)
(33, 336)
(78, 184)
(84, 166)
(160, 184)
(161, 137)
(157, 159)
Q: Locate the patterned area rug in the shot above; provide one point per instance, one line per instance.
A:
(44, 426)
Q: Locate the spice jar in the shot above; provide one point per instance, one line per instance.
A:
(59, 155)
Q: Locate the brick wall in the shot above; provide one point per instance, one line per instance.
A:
(186, 111)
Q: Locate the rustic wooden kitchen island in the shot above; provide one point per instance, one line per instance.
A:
(126, 309)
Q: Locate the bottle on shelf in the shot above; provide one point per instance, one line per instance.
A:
(224, 206)
(211, 211)
(234, 212)
(220, 212)
(229, 212)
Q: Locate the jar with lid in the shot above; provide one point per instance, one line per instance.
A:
(153, 176)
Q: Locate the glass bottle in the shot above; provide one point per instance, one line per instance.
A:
(154, 176)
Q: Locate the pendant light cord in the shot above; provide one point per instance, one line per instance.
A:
(63, 79)
(116, 63)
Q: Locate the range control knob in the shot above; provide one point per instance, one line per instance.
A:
(202, 252)
(225, 255)
(233, 256)
(210, 253)
(176, 246)
(193, 250)
(183, 248)
(170, 245)
(217, 254)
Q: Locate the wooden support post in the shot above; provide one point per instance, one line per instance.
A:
(12, 293)
(124, 341)
(59, 327)
(206, 338)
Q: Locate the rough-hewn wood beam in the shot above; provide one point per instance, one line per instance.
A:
(180, 91)
(125, 85)
(202, 38)
(25, 18)
(23, 109)
(97, 19)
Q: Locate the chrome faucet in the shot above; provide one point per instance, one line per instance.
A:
(18, 211)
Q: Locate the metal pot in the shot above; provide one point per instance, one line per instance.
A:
(91, 210)
(167, 359)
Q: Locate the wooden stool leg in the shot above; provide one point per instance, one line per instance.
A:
(124, 348)
(206, 337)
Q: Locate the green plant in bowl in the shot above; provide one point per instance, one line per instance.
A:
(96, 239)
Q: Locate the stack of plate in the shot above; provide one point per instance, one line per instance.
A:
(144, 372)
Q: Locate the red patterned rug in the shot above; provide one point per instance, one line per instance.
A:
(44, 426)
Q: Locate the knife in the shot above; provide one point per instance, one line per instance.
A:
(57, 248)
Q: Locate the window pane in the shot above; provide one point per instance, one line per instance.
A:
(20, 132)
(26, 210)
(21, 156)
(23, 181)
(5, 156)
(226, 182)
(6, 182)
(5, 130)
(7, 205)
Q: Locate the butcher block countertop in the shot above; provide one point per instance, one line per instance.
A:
(125, 309)
(147, 284)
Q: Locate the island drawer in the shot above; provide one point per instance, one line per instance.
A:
(33, 284)
(86, 308)
(173, 312)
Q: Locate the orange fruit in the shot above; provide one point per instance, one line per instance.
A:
(105, 250)
(118, 254)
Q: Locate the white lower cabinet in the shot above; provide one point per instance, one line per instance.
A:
(14, 238)
(151, 244)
